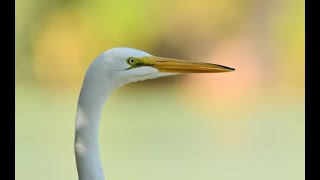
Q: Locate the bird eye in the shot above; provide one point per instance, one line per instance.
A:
(131, 61)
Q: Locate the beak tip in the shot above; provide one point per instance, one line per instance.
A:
(231, 69)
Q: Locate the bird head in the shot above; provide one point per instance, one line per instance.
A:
(124, 65)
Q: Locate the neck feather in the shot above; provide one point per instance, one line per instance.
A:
(91, 101)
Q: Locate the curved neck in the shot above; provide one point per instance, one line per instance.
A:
(91, 101)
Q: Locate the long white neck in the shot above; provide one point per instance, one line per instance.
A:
(91, 101)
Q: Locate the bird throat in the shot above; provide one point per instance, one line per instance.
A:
(90, 105)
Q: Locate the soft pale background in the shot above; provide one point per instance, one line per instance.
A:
(248, 124)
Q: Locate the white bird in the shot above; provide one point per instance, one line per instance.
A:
(111, 70)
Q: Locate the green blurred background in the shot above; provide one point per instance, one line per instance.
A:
(248, 124)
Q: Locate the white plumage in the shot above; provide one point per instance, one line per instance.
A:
(111, 70)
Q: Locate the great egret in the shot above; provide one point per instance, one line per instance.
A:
(112, 69)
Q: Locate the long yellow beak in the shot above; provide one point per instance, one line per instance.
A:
(181, 66)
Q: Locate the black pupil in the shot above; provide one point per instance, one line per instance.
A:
(131, 61)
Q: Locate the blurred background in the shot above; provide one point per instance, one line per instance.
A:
(247, 124)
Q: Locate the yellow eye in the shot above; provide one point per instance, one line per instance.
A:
(131, 61)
